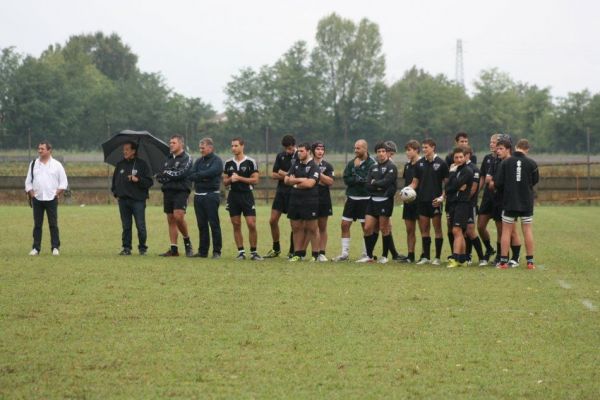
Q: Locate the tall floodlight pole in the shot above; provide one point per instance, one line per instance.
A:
(459, 74)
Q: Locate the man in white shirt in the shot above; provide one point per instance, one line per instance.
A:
(45, 183)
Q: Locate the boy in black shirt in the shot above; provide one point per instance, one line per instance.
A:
(515, 178)
(304, 203)
(430, 177)
(486, 208)
(241, 174)
(281, 166)
(410, 213)
(458, 202)
(325, 207)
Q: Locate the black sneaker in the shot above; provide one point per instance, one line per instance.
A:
(216, 256)
(125, 252)
(143, 252)
(198, 255)
(256, 257)
(241, 256)
(189, 252)
(399, 257)
(169, 253)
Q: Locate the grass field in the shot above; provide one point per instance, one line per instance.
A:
(91, 324)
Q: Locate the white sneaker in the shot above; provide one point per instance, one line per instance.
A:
(436, 261)
(483, 263)
(341, 257)
(423, 261)
(513, 264)
(365, 259)
(34, 252)
(382, 260)
(322, 258)
(55, 252)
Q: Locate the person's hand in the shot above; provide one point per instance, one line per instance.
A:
(438, 201)
(453, 167)
(356, 162)
(234, 177)
(134, 178)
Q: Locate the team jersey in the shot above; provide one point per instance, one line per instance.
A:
(456, 179)
(305, 170)
(431, 175)
(381, 181)
(244, 168)
(515, 179)
(488, 167)
(284, 162)
(409, 171)
(326, 169)
(476, 176)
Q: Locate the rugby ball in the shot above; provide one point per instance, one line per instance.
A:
(408, 194)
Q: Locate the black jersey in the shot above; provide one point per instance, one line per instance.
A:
(409, 172)
(326, 169)
(244, 168)
(456, 179)
(382, 179)
(476, 176)
(488, 167)
(284, 162)
(515, 179)
(431, 175)
(305, 170)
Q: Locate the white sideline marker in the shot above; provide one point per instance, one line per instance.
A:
(564, 284)
(588, 304)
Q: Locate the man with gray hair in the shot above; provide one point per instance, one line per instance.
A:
(207, 175)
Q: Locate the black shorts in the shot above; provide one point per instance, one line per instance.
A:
(486, 207)
(410, 211)
(355, 210)
(174, 200)
(380, 208)
(303, 210)
(510, 217)
(459, 216)
(281, 202)
(325, 207)
(239, 203)
(426, 209)
(472, 215)
(497, 212)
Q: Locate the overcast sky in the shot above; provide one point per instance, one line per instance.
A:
(198, 45)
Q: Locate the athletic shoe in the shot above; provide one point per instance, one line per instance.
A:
(423, 261)
(513, 264)
(489, 253)
(322, 258)
(483, 263)
(382, 260)
(125, 252)
(455, 264)
(502, 265)
(272, 253)
(143, 252)
(290, 256)
(365, 259)
(399, 257)
(55, 252)
(34, 252)
(530, 265)
(469, 260)
(216, 256)
(189, 252)
(313, 259)
(295, 259)
(169, 253)
(256, 257)
(407, 260)
(241, 256)
(341, 257)
(436, 261)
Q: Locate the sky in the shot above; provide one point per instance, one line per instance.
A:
(199, 45)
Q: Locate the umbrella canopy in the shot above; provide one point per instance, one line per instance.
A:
(150, 149)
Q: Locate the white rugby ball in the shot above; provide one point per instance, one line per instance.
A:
(408, 194)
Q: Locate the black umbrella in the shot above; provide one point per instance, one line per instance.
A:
(150, 149)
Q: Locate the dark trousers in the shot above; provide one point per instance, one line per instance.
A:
(207, 213)
(136, 209)
(51, 209)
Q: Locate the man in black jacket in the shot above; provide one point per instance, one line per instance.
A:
(516, 178)
(130, 184)
(206, 175)
(381, 184)
(176, 189)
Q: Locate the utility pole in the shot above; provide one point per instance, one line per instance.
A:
(459, 74)
(589, 168)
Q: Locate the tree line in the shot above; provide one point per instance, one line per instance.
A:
(79, 93)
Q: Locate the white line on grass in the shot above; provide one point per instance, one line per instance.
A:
(588, 304)
(564, 284)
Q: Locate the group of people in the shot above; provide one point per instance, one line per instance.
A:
(304, 178)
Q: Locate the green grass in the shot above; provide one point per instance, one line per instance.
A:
(91, 324)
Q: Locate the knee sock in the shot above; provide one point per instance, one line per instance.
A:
(439, 242)
(477, 245)
(426, 247)
(516, 253)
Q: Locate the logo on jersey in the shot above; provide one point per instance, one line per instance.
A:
(436, 166)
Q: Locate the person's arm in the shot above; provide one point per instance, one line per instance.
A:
(535, 175)
(390, 176)
(311, 180)
(113, 186)
(251, 180)
(475, 184)
(214, 169)
(63, 183)
(29, 181)
(180, 173)
(326, 177)
(143, 177)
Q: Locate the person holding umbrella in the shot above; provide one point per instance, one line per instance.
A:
(176, 188)
(131, 180)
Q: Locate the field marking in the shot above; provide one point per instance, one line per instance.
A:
(564, 284)
(589, 305)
